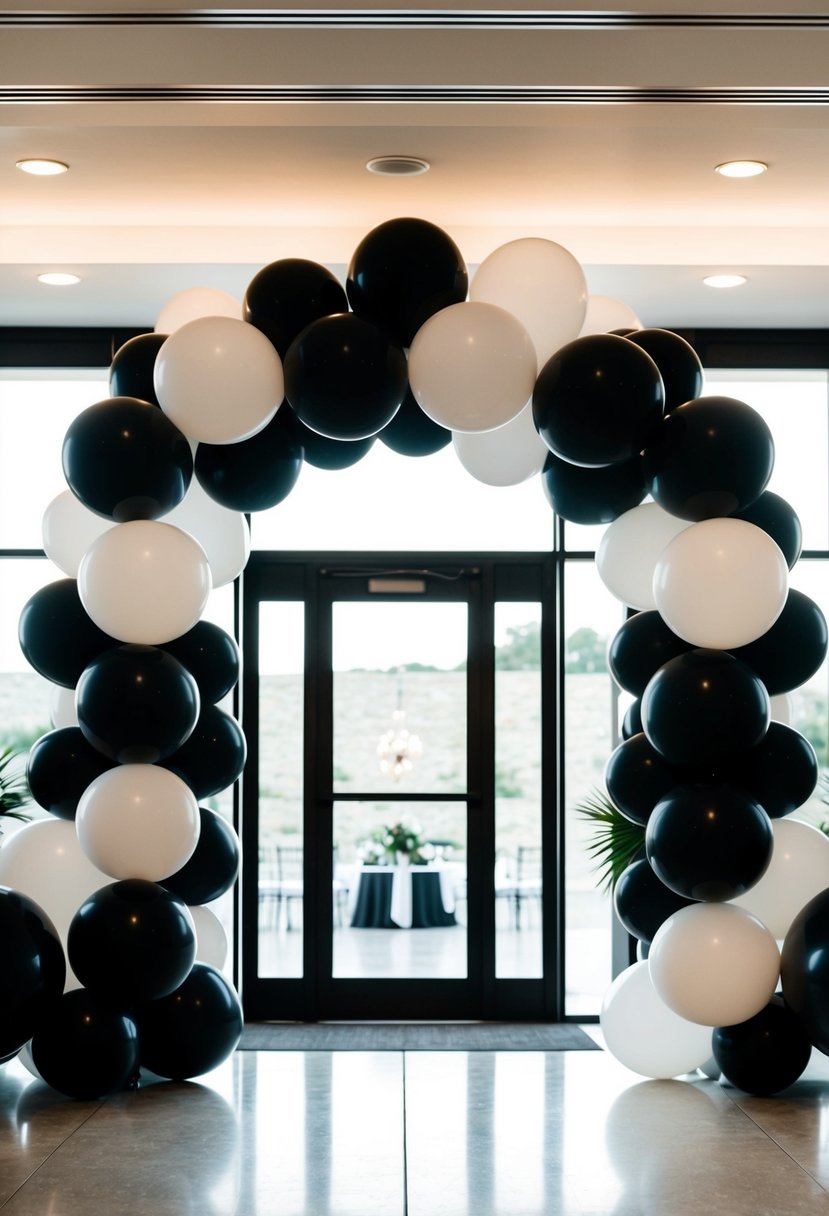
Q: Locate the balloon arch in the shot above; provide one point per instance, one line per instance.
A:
(110, 960)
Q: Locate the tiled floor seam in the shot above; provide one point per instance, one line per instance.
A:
(9, 1199)
(777, 1144)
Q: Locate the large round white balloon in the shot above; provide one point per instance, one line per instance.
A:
(541, 284)
(714, 964)
(68, 529)
(194, 303)
(798, 870)
(224, 535)
(211, 939)
(62, 710)
(781, 708)
(644, 1034)
(506, 456)
(138, 821)
(721, 583)
(605, 313)
(629, 550)
(219, 380)
(472, 367)
(144, 581)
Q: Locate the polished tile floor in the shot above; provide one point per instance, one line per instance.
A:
(416, 1134)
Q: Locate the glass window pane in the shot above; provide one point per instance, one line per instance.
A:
(518, 745)
(809, 704)
(399, 914)
(281, 650)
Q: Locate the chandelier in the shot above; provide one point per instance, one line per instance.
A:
(398, 747)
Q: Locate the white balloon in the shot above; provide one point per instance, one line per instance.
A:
(644, 1034)
(798, 870)
(144, 581)
(714, 964)
(506, 456)
(219, 380)
(781, 708)
(138, 821)
(211, 939)
(68, 529)
(604, 313)
(721, 583)
(194, 303)
(472, 367)
(629, 550)
(223, 534)
(541, 284)
(62, 710)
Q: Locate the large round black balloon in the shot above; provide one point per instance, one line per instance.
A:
(32, 968)
(679, 364)
(287, 295)
(702, 706)
(329, 454)
(639, 648)
(133, 368)
(793, 649)
(781, 771)
(632, 720)
(637, 777)
(212, 658)
(124, 459)
(592, 496)
(136, 704)
(805, 969)
(343, 378)
(85, 1049)
(413, 433)
(597, 400)
(774, 515)
(643, 903)
(130, 942)
(57, 636)
(709, 457)
(710, 842)
(256, 473)
(193, 1029)
(214, 755)
(61, 765)
(213, 867)
(764, 1054)
(403, 272)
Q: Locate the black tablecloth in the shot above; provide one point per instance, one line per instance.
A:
(373, 907)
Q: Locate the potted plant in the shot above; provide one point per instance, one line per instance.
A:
(616, 840)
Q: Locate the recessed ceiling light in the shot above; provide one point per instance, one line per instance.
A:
(42, 168)
(398, 166)
(724, 280)
(741, 168)
(58, 279)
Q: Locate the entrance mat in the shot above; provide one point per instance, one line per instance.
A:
(415, 1036)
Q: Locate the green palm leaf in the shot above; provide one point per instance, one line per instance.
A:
(616, 840)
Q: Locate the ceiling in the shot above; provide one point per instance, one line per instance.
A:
(205, 141)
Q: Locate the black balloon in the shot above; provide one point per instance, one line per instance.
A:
(592, 496)
(702, 706)
(124, 459)
(211, 656)
(632, 721)
(287, 295)
(679, 364)
(637, 777)
(136, 704)
(781, 771)
(329, 454)
(132, 371)
(131, 942)
(85, 1049)
(214, 755)
(643, 903)
(413, 433)
(57, 636)
(32, 968)
(597, 400)
(193, 1029)
(710, 842)
(774, 515)
(61, 765)
(639, 648)
(793, 649)
(805, 970)
(213, 867)
(343, 378)
(709, 457)
(403, 272)
(764, 1054)
(256, 473)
